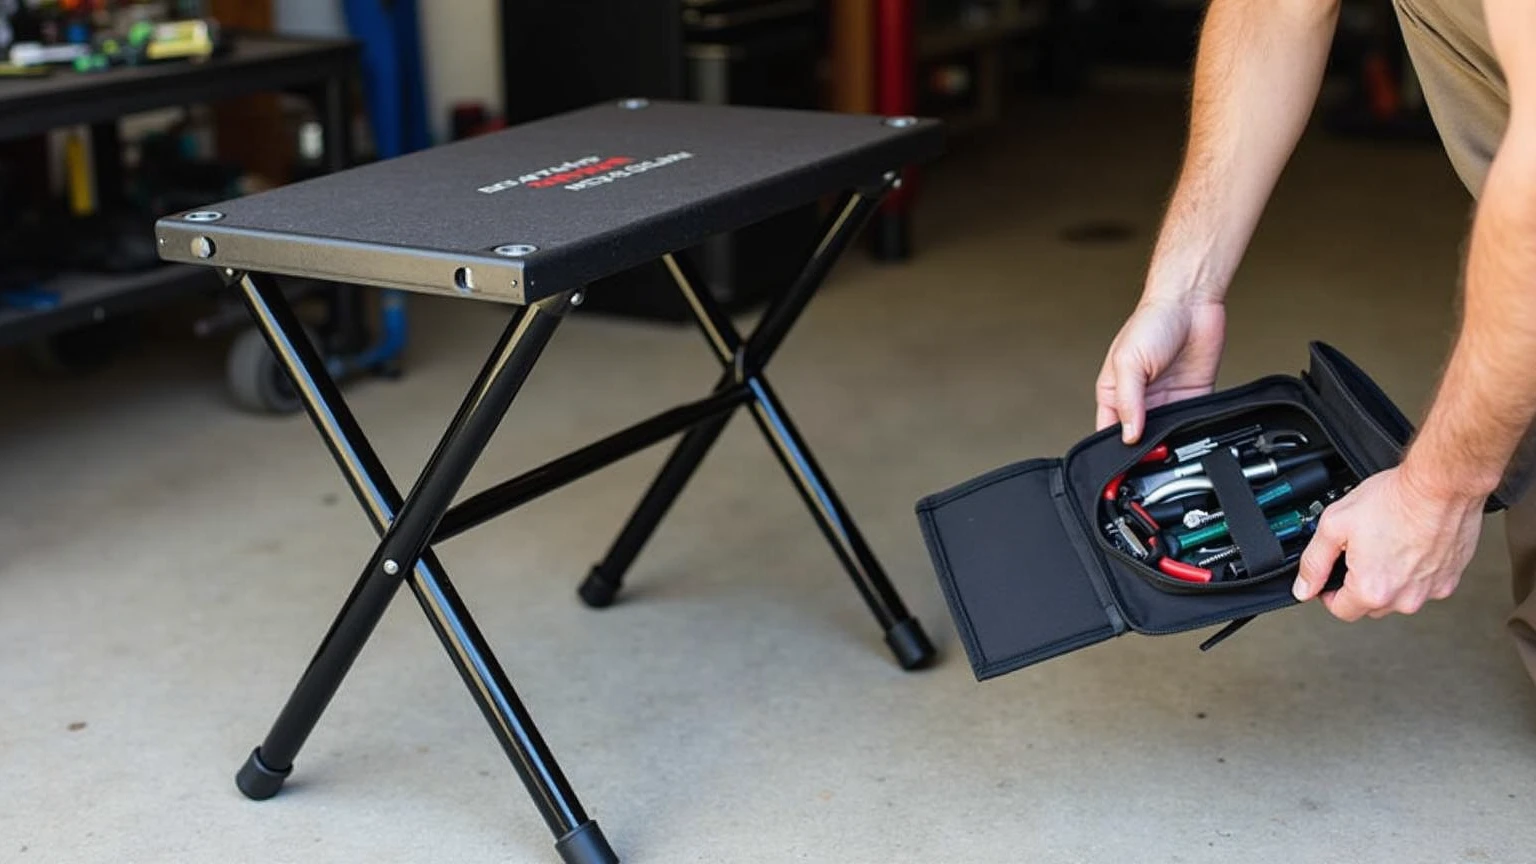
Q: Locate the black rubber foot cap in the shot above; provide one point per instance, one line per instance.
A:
(258, 782)
(910, 645)
(586, 845)
(597, 590)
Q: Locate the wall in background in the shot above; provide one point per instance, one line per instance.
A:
(461, 49)
(308, 17)
(460, 45)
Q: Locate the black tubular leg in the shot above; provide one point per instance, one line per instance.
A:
(603, 582)
(403, 550)
(605, 579)
(744, 362)
(847, 219)
(518, 491)
(903, 634)
(408, 532)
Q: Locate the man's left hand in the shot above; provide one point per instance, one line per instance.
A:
(1404, 547)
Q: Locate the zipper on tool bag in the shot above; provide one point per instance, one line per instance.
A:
(1176, 586)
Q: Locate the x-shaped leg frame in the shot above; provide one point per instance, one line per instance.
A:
(410, 526)
(744, 361)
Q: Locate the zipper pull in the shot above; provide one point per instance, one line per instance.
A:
(1233, 626)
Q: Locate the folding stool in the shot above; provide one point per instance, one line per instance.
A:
(529, 216)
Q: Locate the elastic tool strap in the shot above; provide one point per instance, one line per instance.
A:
(1245, 521)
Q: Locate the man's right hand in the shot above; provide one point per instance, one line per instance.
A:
(1169, 349)
(1258, 71)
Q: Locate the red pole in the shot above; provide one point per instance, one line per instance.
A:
(893, 56)
(895, 83)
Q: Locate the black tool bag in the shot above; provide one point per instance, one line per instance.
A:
(1030, 570)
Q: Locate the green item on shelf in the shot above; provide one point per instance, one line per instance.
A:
(91, 63)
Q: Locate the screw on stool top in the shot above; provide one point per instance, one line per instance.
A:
(522, 214)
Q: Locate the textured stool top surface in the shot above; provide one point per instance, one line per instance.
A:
(576, 197)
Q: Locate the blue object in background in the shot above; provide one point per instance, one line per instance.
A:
(393, 82)
(31, 299)
(391, 343)
(394, 89)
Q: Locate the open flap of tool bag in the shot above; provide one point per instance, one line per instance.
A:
(1033, 565)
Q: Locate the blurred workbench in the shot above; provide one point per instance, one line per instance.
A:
(321, 71)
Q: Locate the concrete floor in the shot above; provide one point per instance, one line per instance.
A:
(170, 564)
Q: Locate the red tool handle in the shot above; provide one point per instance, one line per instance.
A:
(1156, 454)
(1186, 572)
(1112, 491)
(1140, 514)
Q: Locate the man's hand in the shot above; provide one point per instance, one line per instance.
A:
(1257, 73)
(1404, 547)
(1168, 350)
(1408, 533)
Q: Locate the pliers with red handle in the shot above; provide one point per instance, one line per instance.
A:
(1156, 454)
(1183, 572)
(1176, 568)
(1169, 566)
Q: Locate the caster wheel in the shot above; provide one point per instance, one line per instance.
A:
(257, 382)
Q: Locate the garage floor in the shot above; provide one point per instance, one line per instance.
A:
(170, 564)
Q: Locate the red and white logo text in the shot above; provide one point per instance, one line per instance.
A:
(587, 172)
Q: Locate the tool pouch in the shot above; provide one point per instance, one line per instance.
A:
(1028, 575)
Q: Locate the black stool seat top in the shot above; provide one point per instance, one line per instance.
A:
(526, 213)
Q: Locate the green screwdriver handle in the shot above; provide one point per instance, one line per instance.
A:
(1289, 522)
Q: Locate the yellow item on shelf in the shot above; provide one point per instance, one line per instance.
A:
(77, 176)
(180, 39)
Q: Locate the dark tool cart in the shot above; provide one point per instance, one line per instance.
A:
(558, 55)
(530, 217)
(51, 307)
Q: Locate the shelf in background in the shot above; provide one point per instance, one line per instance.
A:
(87, 298)
(1010, 21)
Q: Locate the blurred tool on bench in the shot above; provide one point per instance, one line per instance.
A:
(80, 260)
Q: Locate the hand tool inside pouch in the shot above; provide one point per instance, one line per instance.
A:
(1201, 523)
(1224, 501)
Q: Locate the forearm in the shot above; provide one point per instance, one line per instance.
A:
(1487, 397)
(1257, 75)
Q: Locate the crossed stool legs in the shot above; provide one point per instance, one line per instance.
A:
(410, 526)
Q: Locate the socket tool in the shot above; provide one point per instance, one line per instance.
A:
(1310, 479)
(1158, 487)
